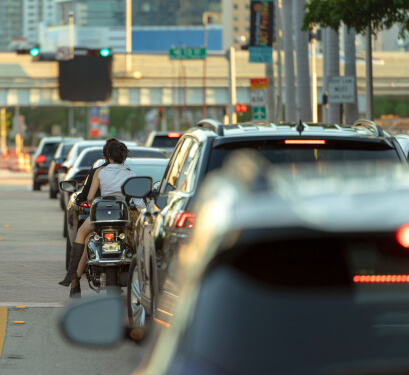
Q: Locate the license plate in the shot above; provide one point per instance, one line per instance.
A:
(111, 247)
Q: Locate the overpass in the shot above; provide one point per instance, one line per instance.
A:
(154, 80)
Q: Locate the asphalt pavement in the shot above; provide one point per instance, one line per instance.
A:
(32, 261)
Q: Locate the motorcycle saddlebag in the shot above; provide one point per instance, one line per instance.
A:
(112, 210)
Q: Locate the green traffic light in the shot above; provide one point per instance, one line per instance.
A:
(34, 52)
(104, 52)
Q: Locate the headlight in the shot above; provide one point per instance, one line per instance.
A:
(96, 237)
(122, 236)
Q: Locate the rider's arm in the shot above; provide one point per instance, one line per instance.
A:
(94, 187)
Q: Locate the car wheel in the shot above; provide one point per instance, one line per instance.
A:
(36, 186)
(137, 315)
(111, 280)
(53, 193)
(67, 253)
(62, 204)
(65, 228)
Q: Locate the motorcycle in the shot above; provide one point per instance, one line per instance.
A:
(110, 247)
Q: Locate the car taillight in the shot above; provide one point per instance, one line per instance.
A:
(109, 236)
(304, 142)
(174, 135)
(402, 235)
(371, 279)
(40, 159)
(85, 205)
(185, 220)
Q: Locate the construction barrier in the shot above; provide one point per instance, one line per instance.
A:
(16, 163)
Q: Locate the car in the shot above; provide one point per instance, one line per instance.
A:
(164, 140)
(41, 160)
(75, 214)
(403, 140)
(287, 273)
(72, 157)
(202, 149)
(59, 157)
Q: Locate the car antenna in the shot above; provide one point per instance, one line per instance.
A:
(300, 127)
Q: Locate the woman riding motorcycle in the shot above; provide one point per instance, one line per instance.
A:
(109, 179)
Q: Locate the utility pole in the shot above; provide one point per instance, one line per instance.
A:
(368, 71)
(128, 31)
(231, 57)
(71, 33)
(314, 75)
(3, 133)
(279, 115)
(205, 21)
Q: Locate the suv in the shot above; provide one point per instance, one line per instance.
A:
(41, 160)
(164, 140)
(202, 149)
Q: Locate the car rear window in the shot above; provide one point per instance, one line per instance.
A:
(49, 148)
(146, 154)
(303, 306)
(154, 171)
(163, 141)
(90, 158)
(278, 152)
(66, 149)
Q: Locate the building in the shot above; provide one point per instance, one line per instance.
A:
(236, 22)
(11, 21)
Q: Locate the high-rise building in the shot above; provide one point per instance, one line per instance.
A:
(11, 21)
(236, 22)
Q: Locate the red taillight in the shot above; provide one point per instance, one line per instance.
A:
(185, 220)
(304, 142)
(371, 279)
(402, 235)
(85, 205)
(40, 159)
(109, 236)
(174, 135)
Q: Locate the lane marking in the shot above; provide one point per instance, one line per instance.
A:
(170, 294)
(35, 304)
(162, 322)
(19, 322)
(21, 307)
(3, 323)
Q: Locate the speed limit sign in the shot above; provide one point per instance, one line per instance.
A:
(63, 53)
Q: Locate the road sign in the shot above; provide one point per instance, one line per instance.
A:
(63, 53)
(258, 83)
(259, 113)
(187, 53)
(341, 89)
(258, 98)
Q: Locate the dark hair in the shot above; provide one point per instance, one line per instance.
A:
(107, 143)
(117, 151)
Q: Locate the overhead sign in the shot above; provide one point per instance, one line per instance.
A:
(341, 89)
(258, 83)
(187, 53)
(261, 31)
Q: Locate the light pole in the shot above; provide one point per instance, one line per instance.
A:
(231, 57)
(71, 33)
(128, 31)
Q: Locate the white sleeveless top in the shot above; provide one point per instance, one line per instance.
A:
(112, 177)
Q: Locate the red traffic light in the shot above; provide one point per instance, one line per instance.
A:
(241, 108)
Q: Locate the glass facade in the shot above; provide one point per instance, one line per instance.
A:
(11, 21)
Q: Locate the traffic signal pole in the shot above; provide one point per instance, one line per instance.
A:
(231, 56)
(128, 61)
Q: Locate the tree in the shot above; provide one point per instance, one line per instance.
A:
(367, 17)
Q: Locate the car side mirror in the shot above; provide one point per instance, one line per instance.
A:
(137, 187)
(69, 186)
(94, 322)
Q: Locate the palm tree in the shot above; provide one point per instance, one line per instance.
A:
(332, 68)
(303, 93)
(351, 109)
(290, 107)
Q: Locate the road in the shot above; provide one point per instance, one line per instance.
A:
(32, 261)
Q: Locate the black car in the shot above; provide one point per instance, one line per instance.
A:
(204, 148)
(59, 157)
(41, 160)
(76, 214)
(164, 140)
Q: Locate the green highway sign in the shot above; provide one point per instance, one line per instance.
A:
(187, 53)
(259, 113)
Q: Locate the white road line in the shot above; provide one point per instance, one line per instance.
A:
(34, 304)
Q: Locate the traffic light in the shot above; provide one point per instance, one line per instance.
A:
(241, 108)
(34, 52)
(104, 52)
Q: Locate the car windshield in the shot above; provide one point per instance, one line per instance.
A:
(146, 154)
(163, 141)
(148, 170)
(278, 152)
(321, 302)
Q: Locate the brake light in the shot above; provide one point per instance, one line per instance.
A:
(85, 205)
(109, 236)
(40, 159)
(185, 220)
(402, 235)
(371, 279)
(174, 135)
(304, 142)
